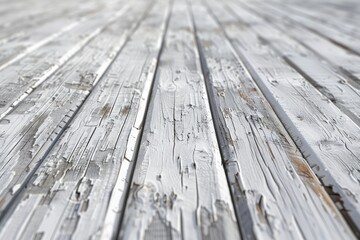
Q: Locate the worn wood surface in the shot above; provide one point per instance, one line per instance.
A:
(86, 159)
(265, 169)
(334, 86)
(328, 139)
(51, 107)
(170, 196)
(175, 119)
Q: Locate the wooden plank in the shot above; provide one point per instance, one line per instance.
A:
(17, 48)
(31, 71)
(327, 138)
(82, 167)
(344, 13)
(28, 10)
(345, 62)
(321, 75)
(325, 17)
(265, 169)
(179, 189)
(37, 123)
(21, 26)
(332, 34)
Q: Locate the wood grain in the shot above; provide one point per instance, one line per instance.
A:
(86, 160)
(179, 119)
(264, 167)
(54, 104)
(179, 189)
(327, 138)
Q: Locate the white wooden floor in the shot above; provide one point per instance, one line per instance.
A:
(179, 119)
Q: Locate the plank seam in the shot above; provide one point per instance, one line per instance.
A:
(114, 215)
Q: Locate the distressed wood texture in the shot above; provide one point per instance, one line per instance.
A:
(179, 189)
(18, 47)
(265, 169)
(327, 138)
(334, 86)
(37, 123)
(31, 71)
(179, 119)
(83, 165)
(324, 21)
(330, 33)
(343, 60)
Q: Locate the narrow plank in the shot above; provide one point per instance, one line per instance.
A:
(330, 33)
(346, 11)
(327, 18)
(179, 189)
(265, 169)
(16, 49)
(38, 66)
(21, 25)
(327, 138)
(37, 123)
(69, 194)
(345, 62)
(321, 75)
(28, 10)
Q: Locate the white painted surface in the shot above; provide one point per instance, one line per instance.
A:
(109, 129)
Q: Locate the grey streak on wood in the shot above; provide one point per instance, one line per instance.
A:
(76, 81)
(17, 48)
(179, 186)
(62, 95)
(264, 167)
(342, 60)
(322, 76)
(57, 52)
(90, 151)
(311, 123)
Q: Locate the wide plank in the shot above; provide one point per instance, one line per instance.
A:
(68, 195)
(321, 75)
(37, 123)
(328, 139)
(24, 25)
(344, 62)
(324, 17)
(179, 189)
(346, 13)
(18, 47)
(31, 11)
(331, 34)
(265, 169)
(39, 65)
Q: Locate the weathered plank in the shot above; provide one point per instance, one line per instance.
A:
(179, 189)
(69, 194)
(320, 74)
(17, 48)
(11, 15)
(21, 25)
(327, 18)
(36, 124)
(332, 34)
(265, 169)
(343, 61)
(346, 12)
(32, 70)
(327, 138)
